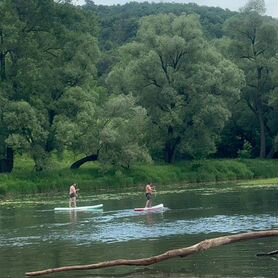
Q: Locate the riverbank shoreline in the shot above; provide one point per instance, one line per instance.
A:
(29, 200)
(95, 178)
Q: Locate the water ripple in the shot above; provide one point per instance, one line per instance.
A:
(124, 226)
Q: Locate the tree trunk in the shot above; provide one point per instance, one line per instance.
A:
(83, 160)
(169, 153)
(171, 150)
(182, 252)
(171, 146)
(10, 159)
(271, 153)
(260, 112)
(2, 67)
(262, 134)
(2, 59)
(7, 164)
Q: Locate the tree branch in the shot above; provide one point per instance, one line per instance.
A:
(272, 253)
(182, 252)
(247, 57)
(164, 68)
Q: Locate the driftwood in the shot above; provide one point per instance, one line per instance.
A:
(182, 252)
(272, 253)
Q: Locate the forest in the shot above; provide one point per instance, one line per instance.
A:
(136, 83)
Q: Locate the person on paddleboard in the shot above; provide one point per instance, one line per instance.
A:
(73, 194)
(150, 189)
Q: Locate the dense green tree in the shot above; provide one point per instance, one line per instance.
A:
(9, 33)
(273, 102)
(6, 152)
(46, 49)
(168, 89)
(182, 81)
(254, 6)
(253, 46)
(109, 129)
(124, 19)
(241, 129)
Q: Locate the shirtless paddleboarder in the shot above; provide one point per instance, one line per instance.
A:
(149, 194)
(73, 194)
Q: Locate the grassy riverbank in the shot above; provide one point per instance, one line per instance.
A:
(93, 178)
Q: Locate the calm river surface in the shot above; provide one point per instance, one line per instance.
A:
(34, 237)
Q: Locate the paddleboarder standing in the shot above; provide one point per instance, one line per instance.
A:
(149, 194)
(73, 194)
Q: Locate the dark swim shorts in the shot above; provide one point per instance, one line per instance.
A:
(72, 195)
(148, 196)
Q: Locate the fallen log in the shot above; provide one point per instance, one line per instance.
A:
(182, 252)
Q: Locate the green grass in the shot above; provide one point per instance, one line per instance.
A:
(92, 177)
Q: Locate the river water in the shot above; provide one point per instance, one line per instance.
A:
(34, 237)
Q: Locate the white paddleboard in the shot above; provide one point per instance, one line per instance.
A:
(79, 208)
(157, 207)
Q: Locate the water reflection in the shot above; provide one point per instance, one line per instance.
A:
(154, 226)
(74, 237)
(73, 216)
(122, 226)
(150, 219)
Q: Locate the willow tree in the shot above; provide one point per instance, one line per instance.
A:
(253, 46)
(185, 85)
(46, 49)
(107, 129)
(9, 32)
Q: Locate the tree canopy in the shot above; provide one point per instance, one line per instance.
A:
(183, 82)
(136, 82)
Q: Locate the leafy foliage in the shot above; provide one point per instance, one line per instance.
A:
(133, 83)
(181, 80)
(253, 47)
